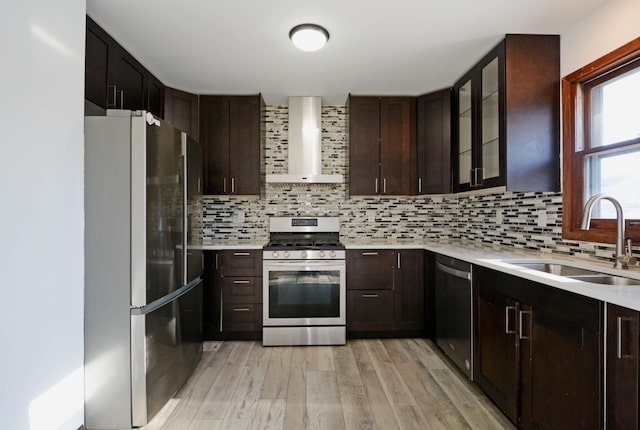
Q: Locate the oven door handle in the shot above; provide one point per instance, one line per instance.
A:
(309, 265)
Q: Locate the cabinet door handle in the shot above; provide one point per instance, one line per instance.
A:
(241, 281)
(376, 182)
(506, 320)
(199, 186)
(365, 254)
(619, 338)
(112, 103)
(221, 309)
(224, 185)
(399, 265)
(370, 296)
(233, 185)
(420, 185)
(241, 254)
(384, 186)
(479, 179)
(217, 264)
(241, 309)
(520, 325)
(471, 176)
(121, 99)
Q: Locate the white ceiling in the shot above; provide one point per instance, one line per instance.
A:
(400, 47)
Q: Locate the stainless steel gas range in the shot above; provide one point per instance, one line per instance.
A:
(304, 286)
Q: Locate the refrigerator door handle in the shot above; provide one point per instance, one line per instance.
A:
(158, 303)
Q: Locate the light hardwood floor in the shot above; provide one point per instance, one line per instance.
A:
(368, 384)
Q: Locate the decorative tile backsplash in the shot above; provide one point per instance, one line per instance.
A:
(523, 220)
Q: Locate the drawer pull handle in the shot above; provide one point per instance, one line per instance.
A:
(370, 296)
(241, 309)
(241, 254)
(242, 281)
(366, 254)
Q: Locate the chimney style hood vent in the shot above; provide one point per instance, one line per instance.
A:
(305, 145)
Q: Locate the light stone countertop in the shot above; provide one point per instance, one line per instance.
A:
(499, 258)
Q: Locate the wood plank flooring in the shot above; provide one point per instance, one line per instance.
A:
(382, 384)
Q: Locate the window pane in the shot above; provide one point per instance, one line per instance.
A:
(616, 174)
(615, 111)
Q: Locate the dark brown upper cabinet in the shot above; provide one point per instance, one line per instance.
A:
(181, 111)
(155, 96)
(434, 142)
(114, 79)
(382, 145)
(507, 117)
(231, 131)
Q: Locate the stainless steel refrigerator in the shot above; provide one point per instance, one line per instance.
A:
(143, 292)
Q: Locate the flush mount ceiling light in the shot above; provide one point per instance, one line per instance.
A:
(309, 37)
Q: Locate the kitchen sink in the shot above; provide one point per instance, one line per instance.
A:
(579, 274)
(607, 279)
(558, 269)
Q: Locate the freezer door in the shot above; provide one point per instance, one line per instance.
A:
(166, 347)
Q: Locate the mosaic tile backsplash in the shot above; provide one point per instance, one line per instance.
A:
(523, 220)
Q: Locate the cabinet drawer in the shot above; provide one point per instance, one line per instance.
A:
(247, 262)
(239, 317)
(238, 289)
(369, 310)
(242, 289)
(370, 269)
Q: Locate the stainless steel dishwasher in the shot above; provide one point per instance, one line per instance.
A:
(453, 310)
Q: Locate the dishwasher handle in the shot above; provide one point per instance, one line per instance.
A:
(453, 272)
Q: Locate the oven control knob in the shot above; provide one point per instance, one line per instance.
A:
(286, 254)
(275, 254)
(303, 254)
(332, 254)
(321, 254)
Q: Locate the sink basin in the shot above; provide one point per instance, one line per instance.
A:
(558, 269)
(579, 274)
(607, 279)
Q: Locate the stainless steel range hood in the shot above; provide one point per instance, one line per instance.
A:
(305, 144)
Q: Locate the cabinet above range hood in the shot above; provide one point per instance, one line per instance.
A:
(305, 145)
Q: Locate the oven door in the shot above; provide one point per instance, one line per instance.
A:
(304, 293)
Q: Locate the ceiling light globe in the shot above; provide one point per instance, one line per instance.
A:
(308, 37)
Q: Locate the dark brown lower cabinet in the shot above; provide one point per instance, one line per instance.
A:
(409, 292)
(538, 352)
(370, 310)
(622, 368)
(561, 371)
(497, 344)
(233, 294)
(386, 291)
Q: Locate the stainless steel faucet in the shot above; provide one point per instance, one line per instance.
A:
(621, 261)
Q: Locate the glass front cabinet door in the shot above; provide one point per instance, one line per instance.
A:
(507, 117)
(479, 102)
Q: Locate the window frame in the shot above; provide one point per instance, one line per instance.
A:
(574, 135)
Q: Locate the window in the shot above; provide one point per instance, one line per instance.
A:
(601, 143)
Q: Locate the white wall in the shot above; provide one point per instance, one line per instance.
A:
(608, 27)
(41, 214)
